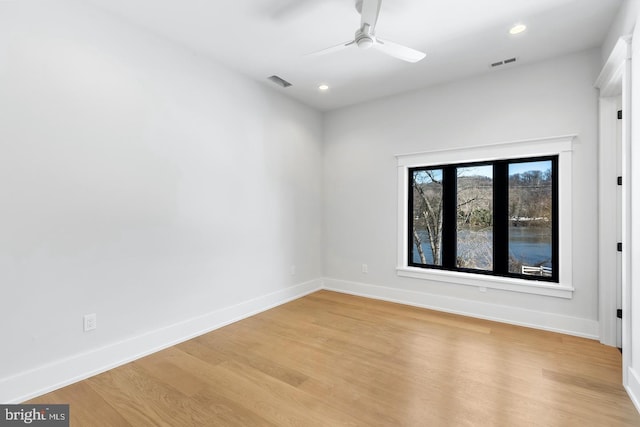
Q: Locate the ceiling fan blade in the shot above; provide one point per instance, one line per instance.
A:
(370, 12)
(398, 51)
(332, 49)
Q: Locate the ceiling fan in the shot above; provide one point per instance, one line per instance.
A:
(365, 37)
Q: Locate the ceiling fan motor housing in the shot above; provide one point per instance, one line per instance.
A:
(364, 37)
(365, 42)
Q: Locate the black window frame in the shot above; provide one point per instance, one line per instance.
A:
(500, 218)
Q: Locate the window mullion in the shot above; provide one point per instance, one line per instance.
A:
(449, 197)
(501, 217)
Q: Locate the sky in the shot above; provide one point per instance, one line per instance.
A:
(515, 168)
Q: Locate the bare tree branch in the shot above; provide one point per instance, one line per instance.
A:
(418, 243)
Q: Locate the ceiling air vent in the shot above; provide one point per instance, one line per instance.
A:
(279, 81)
(503, 62)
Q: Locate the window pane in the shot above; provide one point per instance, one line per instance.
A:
(427, 217)
(530, 218)
(474, 217)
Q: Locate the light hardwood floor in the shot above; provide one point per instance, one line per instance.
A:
(330, 359)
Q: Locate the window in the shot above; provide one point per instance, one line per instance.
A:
(497, 218)
(427, 217)
(494, 216)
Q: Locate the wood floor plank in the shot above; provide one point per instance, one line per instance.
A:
(94, 410)
(167, 367)
(143, 400)
(332, 359)
(227, 412)
(248, 356)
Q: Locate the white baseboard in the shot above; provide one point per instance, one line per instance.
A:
(60, 373)
(516, 316)
(633, 387)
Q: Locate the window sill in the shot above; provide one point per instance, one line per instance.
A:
(491, 282)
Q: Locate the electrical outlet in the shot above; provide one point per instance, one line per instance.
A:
(365, 268)
(90, 322)
(293, 270)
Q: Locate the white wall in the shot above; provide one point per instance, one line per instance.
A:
(546, 99)
(141, 182)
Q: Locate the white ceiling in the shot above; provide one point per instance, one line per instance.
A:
(260, 38)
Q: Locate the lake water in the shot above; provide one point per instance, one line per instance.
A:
(530, 245)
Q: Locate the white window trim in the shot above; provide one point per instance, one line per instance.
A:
(562, 146)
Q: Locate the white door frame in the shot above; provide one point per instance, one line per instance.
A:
(607, 212)
(613, 82)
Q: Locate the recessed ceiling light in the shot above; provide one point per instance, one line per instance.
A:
(323, 88)
(517, 29)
